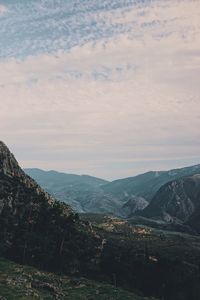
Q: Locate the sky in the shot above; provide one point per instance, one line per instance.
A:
(101, 87)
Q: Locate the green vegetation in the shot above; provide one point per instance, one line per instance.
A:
(37, 231)
(159, 263)
(27, 283)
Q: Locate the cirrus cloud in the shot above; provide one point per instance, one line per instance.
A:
(118, 90)
(3, 9)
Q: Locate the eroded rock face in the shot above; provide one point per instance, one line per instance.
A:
(36, 228)
(19, 194)
(176, 200)
(8, 163)
(134, 205)
(10, 172)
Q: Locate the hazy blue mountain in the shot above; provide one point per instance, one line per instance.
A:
(76, 190)
(58, 179)
(147, 184)
(176, 200)
(123, 197)
(85, 193)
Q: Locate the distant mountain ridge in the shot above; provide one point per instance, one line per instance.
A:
(75, 190)
(66, 178)
(147, 184)
(123, 197)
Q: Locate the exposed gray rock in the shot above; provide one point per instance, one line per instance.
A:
(176, 200)
(37, 229)
(134, 205)
(19, 193)
(9, 167)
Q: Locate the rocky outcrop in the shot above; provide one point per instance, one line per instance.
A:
(176, 200)
(10, 169)
(8, 163)
(37, 229)
(134, 205)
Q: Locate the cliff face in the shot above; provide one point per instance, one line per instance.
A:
(134, 205)
(8, 163)
(176, 200)
(18, 192)
(37, 229)
(10, 169)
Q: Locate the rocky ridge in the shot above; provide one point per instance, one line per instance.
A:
(176, 201)
(37, 229)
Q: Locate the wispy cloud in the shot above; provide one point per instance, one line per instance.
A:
(89, 87)
(3, 9)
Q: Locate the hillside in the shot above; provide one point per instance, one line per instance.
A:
(27, 283)
(194, 220)
(176, 200)
(37, 229)
(159, 262)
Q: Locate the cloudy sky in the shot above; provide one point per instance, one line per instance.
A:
(109, 88)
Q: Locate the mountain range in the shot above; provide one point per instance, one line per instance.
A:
(123, 197)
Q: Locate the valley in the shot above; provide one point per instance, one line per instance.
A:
(123, 197)
(113, 256)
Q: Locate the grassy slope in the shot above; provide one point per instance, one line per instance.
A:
(26, 283)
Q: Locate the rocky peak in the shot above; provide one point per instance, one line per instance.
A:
(34, 227)
(9, 167)
(176, 200)
(8, 164)
(133, 205)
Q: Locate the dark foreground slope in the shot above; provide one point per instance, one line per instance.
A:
(176, 200)
(23, 282)
(35, 228)
(159, 263)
